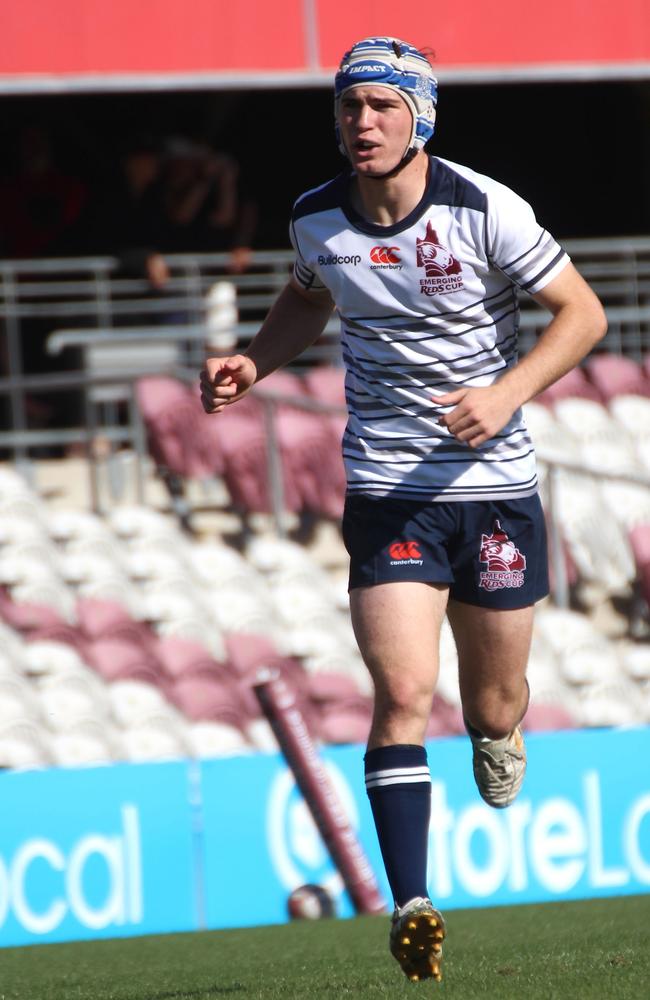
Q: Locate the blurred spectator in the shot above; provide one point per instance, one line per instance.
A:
(200, 203)
(121, 218)
(39, 200)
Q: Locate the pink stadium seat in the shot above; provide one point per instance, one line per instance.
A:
(327, 686)
(548, 718)
(182, 657)
(284, 383)
(445, 720)
(182, 437)
(248, 652)
(326, 383)
(313, 457)
(245, 460)
(25, 617)
(117, 659)
(68, 634)
(616, 375)
(574, 383)
(343, 725)
(204, 698)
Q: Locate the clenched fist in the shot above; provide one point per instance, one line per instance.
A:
(225, 380)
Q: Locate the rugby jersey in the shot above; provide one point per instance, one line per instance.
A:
(426, 306)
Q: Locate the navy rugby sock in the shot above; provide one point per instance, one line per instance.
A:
(399, 788)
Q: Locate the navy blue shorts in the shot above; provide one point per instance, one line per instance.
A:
(491, 552)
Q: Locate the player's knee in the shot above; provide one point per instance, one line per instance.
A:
(496, 714)
(405, 696)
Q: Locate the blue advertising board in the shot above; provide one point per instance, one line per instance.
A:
(580, 828)
(96, 852)
(152, 848)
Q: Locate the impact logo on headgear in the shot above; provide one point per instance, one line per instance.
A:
(505, 563)
(443, 271)
(390, 62)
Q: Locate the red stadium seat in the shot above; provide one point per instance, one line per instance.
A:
(615, 375)
(574, 383)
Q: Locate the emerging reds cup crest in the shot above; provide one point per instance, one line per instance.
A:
(505, 563)
(443, 271)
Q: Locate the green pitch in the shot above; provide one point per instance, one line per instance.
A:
(598, 949)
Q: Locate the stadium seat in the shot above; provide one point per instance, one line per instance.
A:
(446, 719)
(17, 701)
(574, 384)
(548, 718)
(216, 739)
(588, 663)
(633, 414)
(134, 702)
(117, 659)
(26, 616)
(343, 725)
(202, 698)
(616, 375)
(261, 736)
(18, 529)
(22, 747)
(180, 656)
(182, 438)
(153, 743)
(635, 660)
(67, 698)
(248, 652)
(68, 524)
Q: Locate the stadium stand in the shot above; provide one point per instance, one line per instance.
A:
(133, 619)
(124, 637)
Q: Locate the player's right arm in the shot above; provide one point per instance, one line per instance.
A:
(295, 321)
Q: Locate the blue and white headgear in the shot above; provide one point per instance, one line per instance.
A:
(389, 62)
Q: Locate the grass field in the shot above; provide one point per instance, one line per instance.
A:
(597, 949)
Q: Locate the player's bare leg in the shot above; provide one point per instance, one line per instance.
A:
(493, 648)
(397, 626)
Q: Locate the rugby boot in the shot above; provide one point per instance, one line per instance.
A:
(499, 767)
(416, 935)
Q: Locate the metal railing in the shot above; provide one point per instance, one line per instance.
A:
(120, 329)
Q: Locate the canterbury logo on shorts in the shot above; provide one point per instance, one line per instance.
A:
(405, 552)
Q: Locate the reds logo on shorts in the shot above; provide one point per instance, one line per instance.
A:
(505, 563)
(405, 553)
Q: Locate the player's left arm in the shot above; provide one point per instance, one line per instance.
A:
(578, 323)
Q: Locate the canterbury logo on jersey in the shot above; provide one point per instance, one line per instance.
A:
(385, 258)
(336, 258)
(402, 553)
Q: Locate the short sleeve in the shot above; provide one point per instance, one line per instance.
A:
(518, 245)
(303, 274)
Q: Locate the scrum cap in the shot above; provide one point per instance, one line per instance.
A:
(390, 62)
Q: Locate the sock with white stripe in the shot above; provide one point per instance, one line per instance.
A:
(399, 788)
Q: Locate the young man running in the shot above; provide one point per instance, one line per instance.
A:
(423, 259)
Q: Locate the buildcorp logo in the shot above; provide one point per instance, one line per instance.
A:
(296, 847)
(97, 881)
(326, 260)
(556, 848)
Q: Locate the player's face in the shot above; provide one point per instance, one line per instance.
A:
(375, 124)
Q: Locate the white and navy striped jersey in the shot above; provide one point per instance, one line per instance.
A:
(426, 306)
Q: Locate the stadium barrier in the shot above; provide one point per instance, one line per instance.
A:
(153, 848)
(87, 306)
